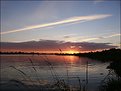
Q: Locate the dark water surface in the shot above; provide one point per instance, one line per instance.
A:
(44, 69)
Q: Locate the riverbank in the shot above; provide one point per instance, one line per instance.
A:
(105, 55)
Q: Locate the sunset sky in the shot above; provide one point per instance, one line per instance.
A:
(67, 25)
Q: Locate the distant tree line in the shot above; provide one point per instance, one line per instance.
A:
(105, 55)
(18, 53)
(31, 53)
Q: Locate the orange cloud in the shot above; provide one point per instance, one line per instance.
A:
(54, 46)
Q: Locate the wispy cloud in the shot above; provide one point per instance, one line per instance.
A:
(96, 38)
(113, 35)
(66, 21)
(89, 39)
(98, 1)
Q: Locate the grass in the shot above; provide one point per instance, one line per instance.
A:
(111, 85)
(33, 66)
(24, 75)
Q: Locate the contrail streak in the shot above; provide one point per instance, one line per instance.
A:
(69, 20)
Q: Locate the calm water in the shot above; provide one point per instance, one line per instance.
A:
(46, 68)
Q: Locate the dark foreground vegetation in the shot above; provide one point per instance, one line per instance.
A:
(112, 84)
(105, 55)
(114, 57)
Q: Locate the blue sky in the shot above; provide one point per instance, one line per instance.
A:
(95, 21)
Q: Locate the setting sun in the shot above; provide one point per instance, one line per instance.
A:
(72, 52)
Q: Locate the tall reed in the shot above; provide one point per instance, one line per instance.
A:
(37, 77)
(23, 74)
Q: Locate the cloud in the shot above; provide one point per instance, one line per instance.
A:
(98, 1)
(89, 39)
(102, 37)
(66, 21)
(69, 36)
(72, 46)
(113, 35)
(53, 46)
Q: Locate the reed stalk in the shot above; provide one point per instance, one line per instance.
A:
(37, 77)
(23, 73)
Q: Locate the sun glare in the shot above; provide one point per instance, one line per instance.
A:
(72, 52)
